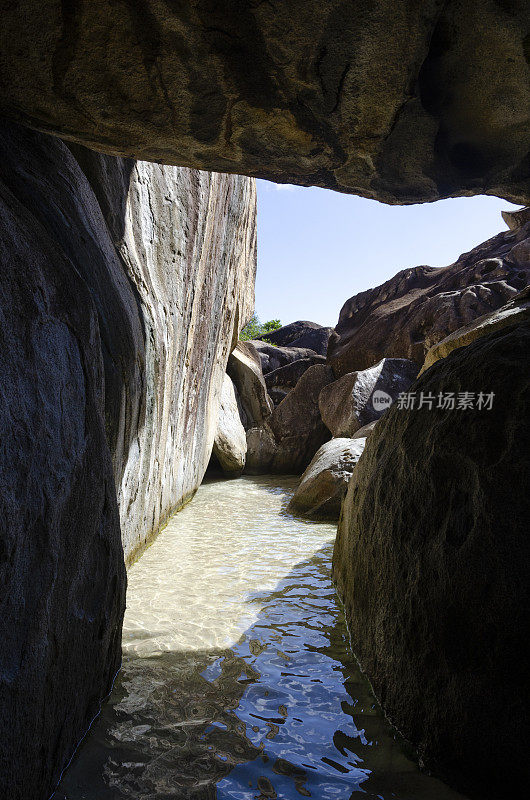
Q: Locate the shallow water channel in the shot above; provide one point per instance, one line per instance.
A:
(237, 681)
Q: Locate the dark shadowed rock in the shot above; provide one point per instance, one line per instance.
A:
(244, 368)
(294, 431)
(324, 483)
(139, 235)
(514, 312)
(398, 101)
(121, 288)
(431, 563)
(285, 378)
(230, 443)
(418, 307)
(61, 558)
(277, 395)
(308, 335)
(359, 398)
(273, 357)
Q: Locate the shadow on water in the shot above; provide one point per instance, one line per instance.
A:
(283, 713)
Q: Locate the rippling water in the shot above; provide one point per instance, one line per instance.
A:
(237, 680)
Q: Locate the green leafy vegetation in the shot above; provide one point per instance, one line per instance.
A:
(254, 328)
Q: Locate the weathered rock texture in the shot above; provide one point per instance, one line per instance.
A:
(514, 312)
(399, 101)
(418, 307)
(121, 294)
(244, 367)
(302, 333)
(431, 562)
(230, 443)
(292, 434)
(351, 402)
(188, 248)
(273, 356)
(61, 559)
(324, 483)
(285, 378)
(365, 431)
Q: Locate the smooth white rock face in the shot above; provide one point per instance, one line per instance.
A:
(230, 443)
(189, 247)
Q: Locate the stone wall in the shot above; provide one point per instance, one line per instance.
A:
(122, 289)
(187, 240)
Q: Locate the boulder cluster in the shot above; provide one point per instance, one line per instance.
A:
(306, 397)
(282, 393)
(430, 491)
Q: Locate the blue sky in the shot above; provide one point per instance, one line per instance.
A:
(317, 248)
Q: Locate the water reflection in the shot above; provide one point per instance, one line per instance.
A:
(237, 682)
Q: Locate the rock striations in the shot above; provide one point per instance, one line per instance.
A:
(122, 290)
(188, 247)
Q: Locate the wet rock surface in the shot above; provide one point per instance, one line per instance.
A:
(400, 102)
(359, 398)
(324, 483)
(418, 307)
(431, 564)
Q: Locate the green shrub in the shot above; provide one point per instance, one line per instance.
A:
(254, 328)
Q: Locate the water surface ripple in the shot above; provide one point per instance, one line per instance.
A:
(237, 679)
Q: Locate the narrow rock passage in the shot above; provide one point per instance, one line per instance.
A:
(237, 678)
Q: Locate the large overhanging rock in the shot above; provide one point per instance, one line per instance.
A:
(431, 562)
(186, 242)
(399, 101)
(418, 307)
